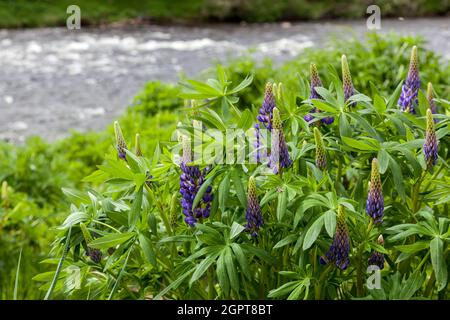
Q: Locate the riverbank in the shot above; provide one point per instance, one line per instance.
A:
(22, 13)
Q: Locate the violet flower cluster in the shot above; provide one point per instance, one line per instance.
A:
(340, 248)
(375, 199)
(315, 82)
(191, 180)
(253, 214)
(279, 154)
(408, 99)
(430, 147)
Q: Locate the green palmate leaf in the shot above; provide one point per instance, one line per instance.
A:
(438, 261)
(239, 187)
(236, 229)
(245, 83)
(246, 120)
(75, 218)
(202, 267)
(412, 248)
(327, 95)
(175, 284)
(359, 97)
(224, 191)
(111, 240)
(397, 176)
(379, 104)
(117, 169)
(344, 126)
(383, 160)
(147, 249)
(242, 259)
(284, 290)
(221, 272)
(330, 222)
(202, 191)
(285, 241)
(282, 204)
(413, 284)
(367, 127)
(231, 269)
(204, 88)
(76, 197)
(312, 233)
(392, 102)
(324, 106)
(135, 211)
(358, 144)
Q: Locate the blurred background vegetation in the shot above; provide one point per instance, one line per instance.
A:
(41, 13)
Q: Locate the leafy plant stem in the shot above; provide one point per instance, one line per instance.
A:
(58, 268)
(320, 282)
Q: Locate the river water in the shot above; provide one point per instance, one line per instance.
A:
(53, 80)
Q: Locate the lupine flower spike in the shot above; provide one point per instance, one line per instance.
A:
(266, 110)
(191, 180)
(340, 248)
(321, 159)
(279, 154)
(253, 215)
(347, 83)
(265, 118)
(137, 146)
(120, 141)
(408, 98)
(430, 98)
(377, 258)
(375, 200)
(430, 147)
(315, 82)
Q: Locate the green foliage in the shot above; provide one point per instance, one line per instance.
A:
(148, 252)
(135, 219)
(24, 13)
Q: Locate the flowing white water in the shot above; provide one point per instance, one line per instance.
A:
(53, 80)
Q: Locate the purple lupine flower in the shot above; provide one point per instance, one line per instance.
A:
(321, 159)
(253, 214)
(279, 154)
(347, 83)
(340, 248)
(94, 254)
(377, 258)
(315, 82)
(430, 98)
(408, 99)
(266, 111)
(120, 142)
(375, 199)
(258, 144)
(191, 179)
(430, 147)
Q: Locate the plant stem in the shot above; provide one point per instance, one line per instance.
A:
(416, 191)
(430, 285)
(433, 177)
(211, 289)
(321, 280)
(58, 268)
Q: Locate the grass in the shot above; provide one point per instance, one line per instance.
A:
(44, 13)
